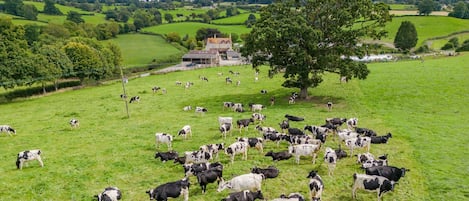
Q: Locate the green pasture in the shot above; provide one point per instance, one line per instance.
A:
(142, 49)
(190, 28)
(437, 44)
(421, 104)
(402, 7)
(238, 19)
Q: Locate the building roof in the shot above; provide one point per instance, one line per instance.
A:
(219, 40)
(201, 54)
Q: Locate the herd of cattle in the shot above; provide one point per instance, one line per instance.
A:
(303, 142)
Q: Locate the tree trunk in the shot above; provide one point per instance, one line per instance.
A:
(56, 85)
(44, 88)
(304, 93)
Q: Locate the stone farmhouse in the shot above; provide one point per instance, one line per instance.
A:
(216, 49)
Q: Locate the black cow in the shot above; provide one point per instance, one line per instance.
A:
(294, 118)
(371, 183)
(295, 131)
(180, 160)
(365, 131)
(269, 172)
(336, 121)
(278, 156)
(209, 176)
(244, 123)
(166, 156)
(340, 153)
(245, 195)
(109, 194)
(390, 172)
(171, 189)
(380, 139)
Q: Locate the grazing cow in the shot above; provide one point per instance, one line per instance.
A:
(191, 169)
(7, 129)
(390, 172)
(291, 197)
(74, 123)
(203, 78)
(316, 186)
(209, 176)
(330, 157)
(225, 120)
(257, 107)
(278, 156)
(365, 131)
(253, 142)
(181, 160)
(263, 129)
(224, 128)
(291, 100)
(135, 99)
(284, 125)
(28, 155)
(237, 148)
(380, 139)
(109, 194)
(362, 158)
(340, 153)
(336, 121)
(245, 195)
(304, 150)
(329, 106)
(274, 137)
(330, 126)
(164, 138)
(228, 80)
(382, 161)
(301, 139)
(343, 79)
(317, 130)
(171, 189)
(269, 172)
(244, 123)
(272, 100)
(238, 82)
(200, 110)
(295, 131)
(352, 123)
(188, 85)
(371, 183)
(258, 117)
(362, 142)
(263, 91)
(187, 108)
(243, 182)
(197, 157)
(166, 156)
(186, 130)
(213, 148)
(227, 105)
(123, 96)
(294, 118)
(178, 83)
(155, 89)
(347, 134)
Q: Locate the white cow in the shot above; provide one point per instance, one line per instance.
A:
(29, 155)
(358, 142)
(251, 181)
(163, 138)
(330, 157)
(304, 150)
(109, 194)
(7, 129)
(186, 130)
(316, 186)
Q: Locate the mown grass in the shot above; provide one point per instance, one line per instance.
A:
(421, 104)
(190, 28)
(142, 49)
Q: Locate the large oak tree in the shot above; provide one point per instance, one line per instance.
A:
(305, 39)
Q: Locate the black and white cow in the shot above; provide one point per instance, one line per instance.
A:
(358, 142)
(274, 137)
(7, 129)
(336, 121)
(244, 123)
(170, 190)
(352, 123)
(237, 148)
(264, 129)
(238, 107)
(123, 96)
(257, 107)
(134, 99)
(346, 134)
(166, 156)
(278, 156)
(295, 131)
(294, 118)
(109, 194)
(213, 148)
(227, 105)
(163, 138)
(284, 125)
(304, 150)
(155, 89)
(187, 108)
(28, 155)
(381, 161)
(301, 139)
(316, 130)
(253, 142)
(371, 183)
(191, 169)
(380, 139)
(290, 197)
(225, 128)
(186, 130)
(197, 157)
(209, 176)
(228, 80)
(200, 110)
(243, 182)
(363, 157)
(258, 117)
(316, 186)
(74, 123)
(263, 91)
(245, 195)
(365, 131)
(330, 157)
(340, 153)
(390, 172)
(269, 172)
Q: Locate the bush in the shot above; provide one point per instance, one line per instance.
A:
(464, 47)
(423, 49)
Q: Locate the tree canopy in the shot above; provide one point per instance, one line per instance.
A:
(305, 39)
(406, 36)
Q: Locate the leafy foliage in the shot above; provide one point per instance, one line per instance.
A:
(406, 37)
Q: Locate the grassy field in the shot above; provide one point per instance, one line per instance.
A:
(141, 49)
(437, 44)
(238, 19)
(420, 103)
(402, 7)
(191, 28)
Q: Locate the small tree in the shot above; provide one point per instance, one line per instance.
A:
(426, 7)
(406, 37)
(168, 17)
(50, 9)
(75, 17)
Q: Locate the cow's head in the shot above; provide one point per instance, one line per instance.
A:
(259, 195)
(152, 194)
(403, 170)
(312, 174)
(224, 185)
(386, 186)
(221, 146)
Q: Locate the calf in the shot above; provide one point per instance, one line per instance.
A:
(200, 110)
(390, 172)
(257, 143)
(164, 138)
(304, 150)
(362, 158)
(258, 117)
(171, 189)
(294, 118)
(363, 142)
(352, 123)
(330, 157)
(245, 195)
(243, 182)
(244, 123)
(371, 183)
(290, 197)
(7, 129)
(197, 157)
(74, 123)
(284, 125)
(28, 155)
(316, 186)
(237, 148)
(186, 130)
(257, 107)
(209, 176)
(380, 139)
(373, 163)
(166, 156)
(269, 172)
(109, 194)
(225, 128)
(213, 148)
(135, 99)
(278, 156)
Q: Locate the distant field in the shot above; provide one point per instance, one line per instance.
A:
(414, 12)
(190, 28)
(437, 44)
(238, 19)
(402, 7)
(141, 49)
